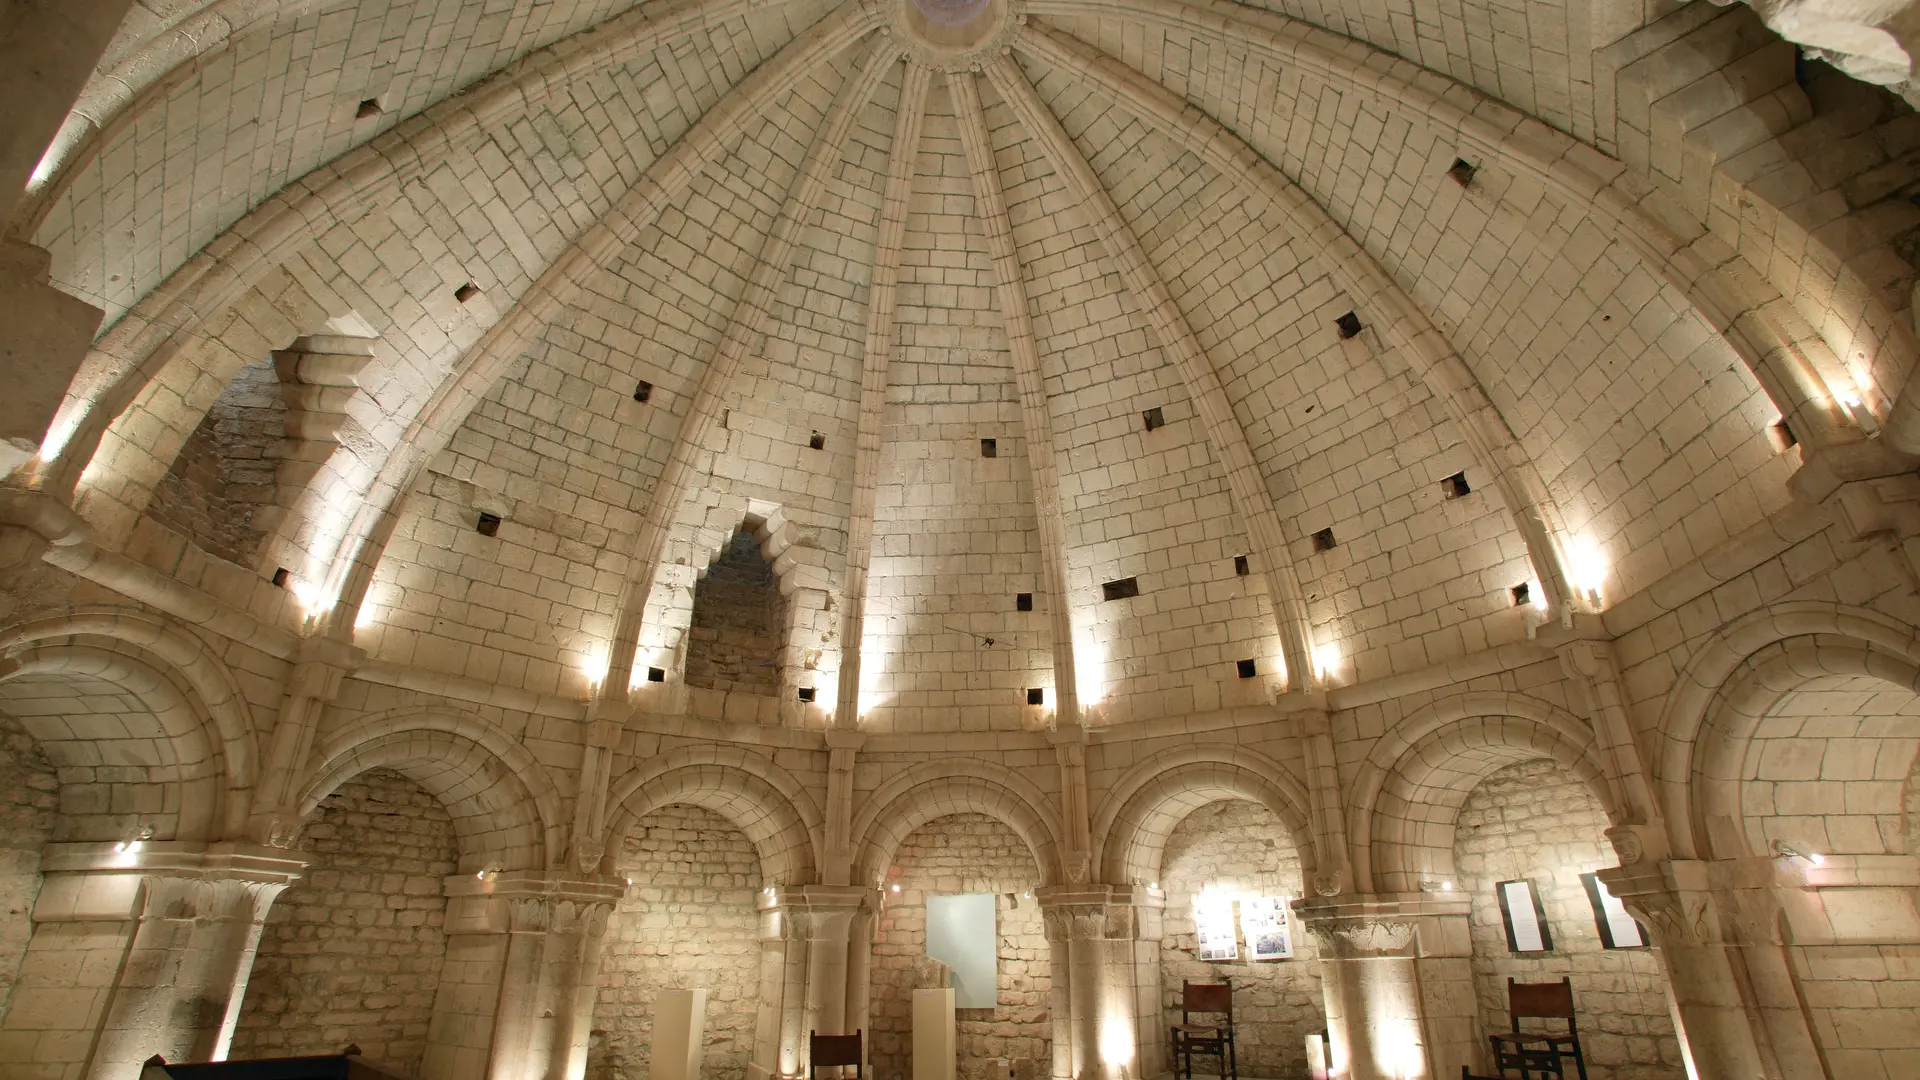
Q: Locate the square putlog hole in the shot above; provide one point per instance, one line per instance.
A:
(1323, 540)
(642, 390)
(1348, 325)
(655, 674)
(1023, 601)
(1121, 589)
(488, 525)
(1036, 695)
(1462, 171)
(466, 292)
(817, 441)
(1522, 594)
(281, 575)
(1245, 668)
(1455, 486)
(1154, 418)
(1240, 566)
(989, 448)
(368, 109)
(806, 693)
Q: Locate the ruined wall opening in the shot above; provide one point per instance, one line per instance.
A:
(1538, 821)
(352, 952)
(739, 623)
(963, 853)
(687, 922)
(1235, 850)
(226, 472)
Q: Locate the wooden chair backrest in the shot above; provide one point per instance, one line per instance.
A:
(825, 1050)
(1206, 998)
(1551, 1000)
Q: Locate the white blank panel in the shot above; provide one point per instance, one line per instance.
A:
(961, 933)
(679, 1034)
(933, 1035)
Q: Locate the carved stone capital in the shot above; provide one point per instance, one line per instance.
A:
(1367, 927)
(1100, 912)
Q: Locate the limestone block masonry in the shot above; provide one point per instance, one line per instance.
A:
(509, 507)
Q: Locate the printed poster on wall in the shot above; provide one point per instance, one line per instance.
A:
(1213, 934)
(1263, 919)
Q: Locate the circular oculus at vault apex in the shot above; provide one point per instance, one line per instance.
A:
(955, 35)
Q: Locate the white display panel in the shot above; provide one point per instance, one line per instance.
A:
(1526, 921)
(962, 934)
(1618, 929)
(1213, 932)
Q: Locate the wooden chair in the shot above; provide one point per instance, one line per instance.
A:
(1542, 1052)
(832, 1052)
(1189, 1037)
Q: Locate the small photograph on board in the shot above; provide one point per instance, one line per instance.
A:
(1213, 931)
(1263, 921)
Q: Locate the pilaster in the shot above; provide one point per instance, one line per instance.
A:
(519, 1003)
(813, 940)
(1398, 980)
(139, 948)
(1103, 946)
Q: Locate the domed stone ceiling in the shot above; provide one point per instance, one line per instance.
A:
(842, 245)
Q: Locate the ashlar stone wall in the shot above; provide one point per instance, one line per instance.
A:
(688, 922)
(738, 619)
(29, 796)
(963, 853)
(1240, 848)
(352, 952)
(1538, 821)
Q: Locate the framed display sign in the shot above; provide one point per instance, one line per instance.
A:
(1618, 928)
(1263, 920)
(1526, 919)
(1213, 934)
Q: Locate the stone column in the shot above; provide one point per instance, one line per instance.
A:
(1103, 943)
(1717, 1027)
(139, 949)
(1397, 975)
(807, 944)
(522, 973)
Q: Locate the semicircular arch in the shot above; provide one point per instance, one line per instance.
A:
(1403, 800)
(505, 808)
(758, 797)
(934, 789)
(1131, 828)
